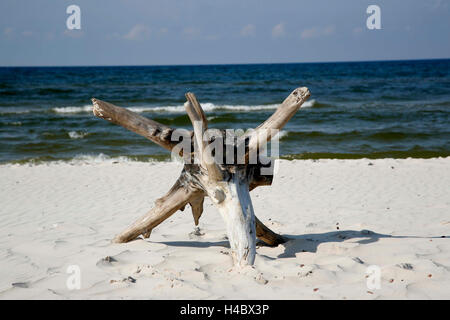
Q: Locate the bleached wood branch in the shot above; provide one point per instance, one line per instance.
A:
(228, 185)
(152, 130)
(200, 124)
(269, 128)
(176, 199)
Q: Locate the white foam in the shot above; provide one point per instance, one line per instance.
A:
(208, 106)
(14, 123)
(309, 103)
(77, 134)
(281, 134)
(70, 109)
(6, 111)
(99, 158)
(83, 159)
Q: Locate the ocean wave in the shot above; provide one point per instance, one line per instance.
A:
(207, 107)
(416, 153)
(180, 109)
(71, 109)
(281, 134)
(77, 134)
(385, 135)
(7, 111)
(14, 123)
(99, 158)
(83, 159)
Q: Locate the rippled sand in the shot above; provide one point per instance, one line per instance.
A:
(342, 216)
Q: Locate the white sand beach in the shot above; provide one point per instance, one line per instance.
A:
(342, 216)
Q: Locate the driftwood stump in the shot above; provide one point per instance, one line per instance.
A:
(221, 165)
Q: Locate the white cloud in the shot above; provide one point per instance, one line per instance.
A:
(49, 36)
(138, 32)
(212, 37)
(316, 32)
(191, 32)
(27, 33)
(309, 33)
(115, 35)
(8, 31)
(278, 30)
(328, 31)
(248, 30)
(73, 33)
(196, 33)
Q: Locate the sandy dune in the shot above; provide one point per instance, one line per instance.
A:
(342, 216)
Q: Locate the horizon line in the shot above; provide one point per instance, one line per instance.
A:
(218, 64)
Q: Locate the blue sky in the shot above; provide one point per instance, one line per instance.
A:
(146, 32)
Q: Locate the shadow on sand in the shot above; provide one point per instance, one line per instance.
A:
(197, 244)
(305, 242)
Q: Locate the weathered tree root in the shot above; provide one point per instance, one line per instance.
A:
(228, 185)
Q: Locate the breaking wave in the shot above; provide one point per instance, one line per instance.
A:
(180, 109)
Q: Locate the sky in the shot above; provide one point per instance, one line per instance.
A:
(168, 32)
